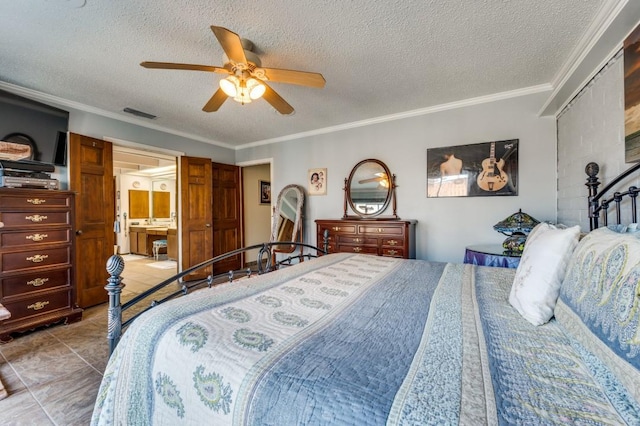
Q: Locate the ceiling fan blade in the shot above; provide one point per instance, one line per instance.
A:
(375, 179)
(276, 101)
(189, 67)
(301, 78)
(231, 44)
(216, 101)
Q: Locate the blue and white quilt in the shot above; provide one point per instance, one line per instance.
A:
(355, 339)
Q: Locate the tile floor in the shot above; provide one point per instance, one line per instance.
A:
(53, 374)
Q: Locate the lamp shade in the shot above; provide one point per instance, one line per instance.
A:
(256, 89)
(229, 85)
(519, 222)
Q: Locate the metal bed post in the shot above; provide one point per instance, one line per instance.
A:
(592, 170)
(115, 266)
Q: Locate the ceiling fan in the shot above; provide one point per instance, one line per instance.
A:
(246, 79)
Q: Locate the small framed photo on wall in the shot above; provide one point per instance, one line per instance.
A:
(317, 181)
(265, 192)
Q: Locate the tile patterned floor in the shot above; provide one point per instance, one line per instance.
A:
(53, 374)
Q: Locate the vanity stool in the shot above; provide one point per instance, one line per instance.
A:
(157, 245)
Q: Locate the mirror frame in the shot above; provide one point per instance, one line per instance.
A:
(297, 225)
(389, 199)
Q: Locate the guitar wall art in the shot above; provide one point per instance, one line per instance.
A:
(478, 170)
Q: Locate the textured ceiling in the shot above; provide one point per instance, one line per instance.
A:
(378, 57)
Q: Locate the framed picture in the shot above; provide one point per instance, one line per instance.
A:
(632, 97)
(265, 192)
(478, 170)
(317, 181)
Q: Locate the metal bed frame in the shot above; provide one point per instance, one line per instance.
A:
(115, 267)
(599, 205)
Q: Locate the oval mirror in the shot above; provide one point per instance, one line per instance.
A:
(287, 217)
(369, 188)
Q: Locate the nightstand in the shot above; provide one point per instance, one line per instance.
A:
(490, 255)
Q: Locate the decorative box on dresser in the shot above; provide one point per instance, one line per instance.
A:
(393, 238)
(36, 259)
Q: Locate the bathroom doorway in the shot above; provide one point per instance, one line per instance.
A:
(146, 212)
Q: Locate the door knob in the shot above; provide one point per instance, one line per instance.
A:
(208, 225)
(79, 232)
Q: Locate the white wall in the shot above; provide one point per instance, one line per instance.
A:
(591, 129)
(445, 225)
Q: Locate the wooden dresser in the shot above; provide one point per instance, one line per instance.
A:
(36, 259)
(394, 238)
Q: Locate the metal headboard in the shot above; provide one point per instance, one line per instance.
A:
(599, 205)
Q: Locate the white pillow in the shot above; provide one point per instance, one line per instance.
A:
(537, 282)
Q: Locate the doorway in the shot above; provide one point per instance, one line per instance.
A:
(256, 213)
(146, 210)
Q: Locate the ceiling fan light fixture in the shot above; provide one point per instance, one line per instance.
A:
(230, 85)
(242, 97)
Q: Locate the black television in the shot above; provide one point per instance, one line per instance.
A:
(42, 126)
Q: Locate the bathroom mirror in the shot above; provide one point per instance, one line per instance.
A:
(287, 217)
(369, 189)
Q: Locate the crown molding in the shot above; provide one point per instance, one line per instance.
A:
(407, 114)
(602, 40)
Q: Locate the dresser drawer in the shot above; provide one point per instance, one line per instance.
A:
(16, 261)
(340, 228)
(13, 201)
(28, 283)
(392, 242)
(346, 248)
(393, 252)
(38, 305)
(381, 230)
(29, 238)
(357, 240)
(32, 219)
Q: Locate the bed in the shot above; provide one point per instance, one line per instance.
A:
(359, 339)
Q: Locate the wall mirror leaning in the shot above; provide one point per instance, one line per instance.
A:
(369, 190)
(288, 218)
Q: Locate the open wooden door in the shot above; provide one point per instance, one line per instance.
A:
(91, 178)
(227, 220)
(196, 214)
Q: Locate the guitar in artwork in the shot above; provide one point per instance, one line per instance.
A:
(492, 177)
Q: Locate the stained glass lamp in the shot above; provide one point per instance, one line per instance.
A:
(516, 227)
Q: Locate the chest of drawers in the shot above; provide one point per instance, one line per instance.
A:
(36, 259)
(393, 238)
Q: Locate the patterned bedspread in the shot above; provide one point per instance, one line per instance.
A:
(355, 339)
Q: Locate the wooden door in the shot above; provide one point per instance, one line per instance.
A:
(91, 178)
(195, 218)
(227, 230)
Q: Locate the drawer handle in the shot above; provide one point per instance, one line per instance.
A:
(357, 249)
(336, 228)
(36, 201)
(38, 258)
(36, 218)
(380, 230)
(393, 252)
(38, 305)
(36, 237)
(357, 240)
(38, 282)
(392, 242)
